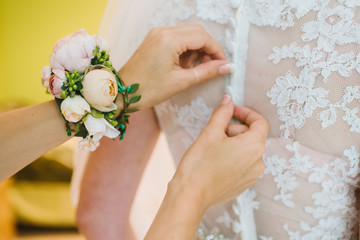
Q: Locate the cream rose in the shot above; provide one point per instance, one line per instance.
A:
(74, 108)
(100, 89)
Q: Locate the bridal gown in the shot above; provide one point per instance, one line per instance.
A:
(296, 62)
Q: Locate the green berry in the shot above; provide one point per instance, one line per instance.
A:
(63, 95)
(70, 89)
(75, 87)
(67, 75)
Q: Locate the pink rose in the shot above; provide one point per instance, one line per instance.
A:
(73, 52)
(56, 81)
(102, 43)
(45, 76)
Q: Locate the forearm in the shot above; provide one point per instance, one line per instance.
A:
(179, 215)
(111, 179)
(28, 133)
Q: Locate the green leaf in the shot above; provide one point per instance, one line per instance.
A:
(88, 68)
(112, 122)
(83, 132)
(131, 110)
(77, 127)
(96, 114)
(58, 103)
(134, 99)
(134, 88)
(79, 86)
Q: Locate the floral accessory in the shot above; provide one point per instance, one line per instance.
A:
(85, 86)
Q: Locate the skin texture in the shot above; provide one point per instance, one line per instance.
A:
(214, 156)
(189, 195)
(28, 133)
(173, 66)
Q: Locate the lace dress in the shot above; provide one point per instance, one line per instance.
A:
(297, 63)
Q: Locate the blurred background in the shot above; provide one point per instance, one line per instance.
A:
(35, 203)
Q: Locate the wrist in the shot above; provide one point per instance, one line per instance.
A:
(187, 191)
(179, 215)
(128, 78)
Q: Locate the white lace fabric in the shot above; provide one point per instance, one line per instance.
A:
(298, 64)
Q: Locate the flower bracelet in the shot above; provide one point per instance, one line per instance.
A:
(85, 87)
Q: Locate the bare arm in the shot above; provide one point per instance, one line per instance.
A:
(111, 179)
(28, 133)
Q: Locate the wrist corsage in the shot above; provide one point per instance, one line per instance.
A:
(85, 87)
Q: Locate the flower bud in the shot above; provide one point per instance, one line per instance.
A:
(56, 81)
(74, 108)
(45, 76)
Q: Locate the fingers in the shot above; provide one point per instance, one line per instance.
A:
(204, 72)
(221, 117)
(236, 129)
(189, 59)
(194, 37)
(256, 122)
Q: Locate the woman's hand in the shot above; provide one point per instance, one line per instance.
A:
(226, 159)
(171, 59)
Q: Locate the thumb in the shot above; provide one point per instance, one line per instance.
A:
(221, 117)
(207, 70)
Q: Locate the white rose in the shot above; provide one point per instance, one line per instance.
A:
(74, 108)
(98, 127)
(100, 89)
(90, 143)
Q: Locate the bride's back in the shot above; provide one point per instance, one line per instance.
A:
(298, 64)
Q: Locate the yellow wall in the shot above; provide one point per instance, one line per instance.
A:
(28, 31)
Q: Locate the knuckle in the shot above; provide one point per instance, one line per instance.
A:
(267, 125)
(200, 27)
(257, 146)
(154, 31)
(165, 35)
(206, 131)
(261, 167)
(258, 168)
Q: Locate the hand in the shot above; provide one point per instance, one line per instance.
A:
(226, 159)
(167, 63)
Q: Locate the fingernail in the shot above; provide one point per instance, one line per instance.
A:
(226, 68)
(226, 99)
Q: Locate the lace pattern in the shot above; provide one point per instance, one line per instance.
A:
(333, 205)
(324, 49)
